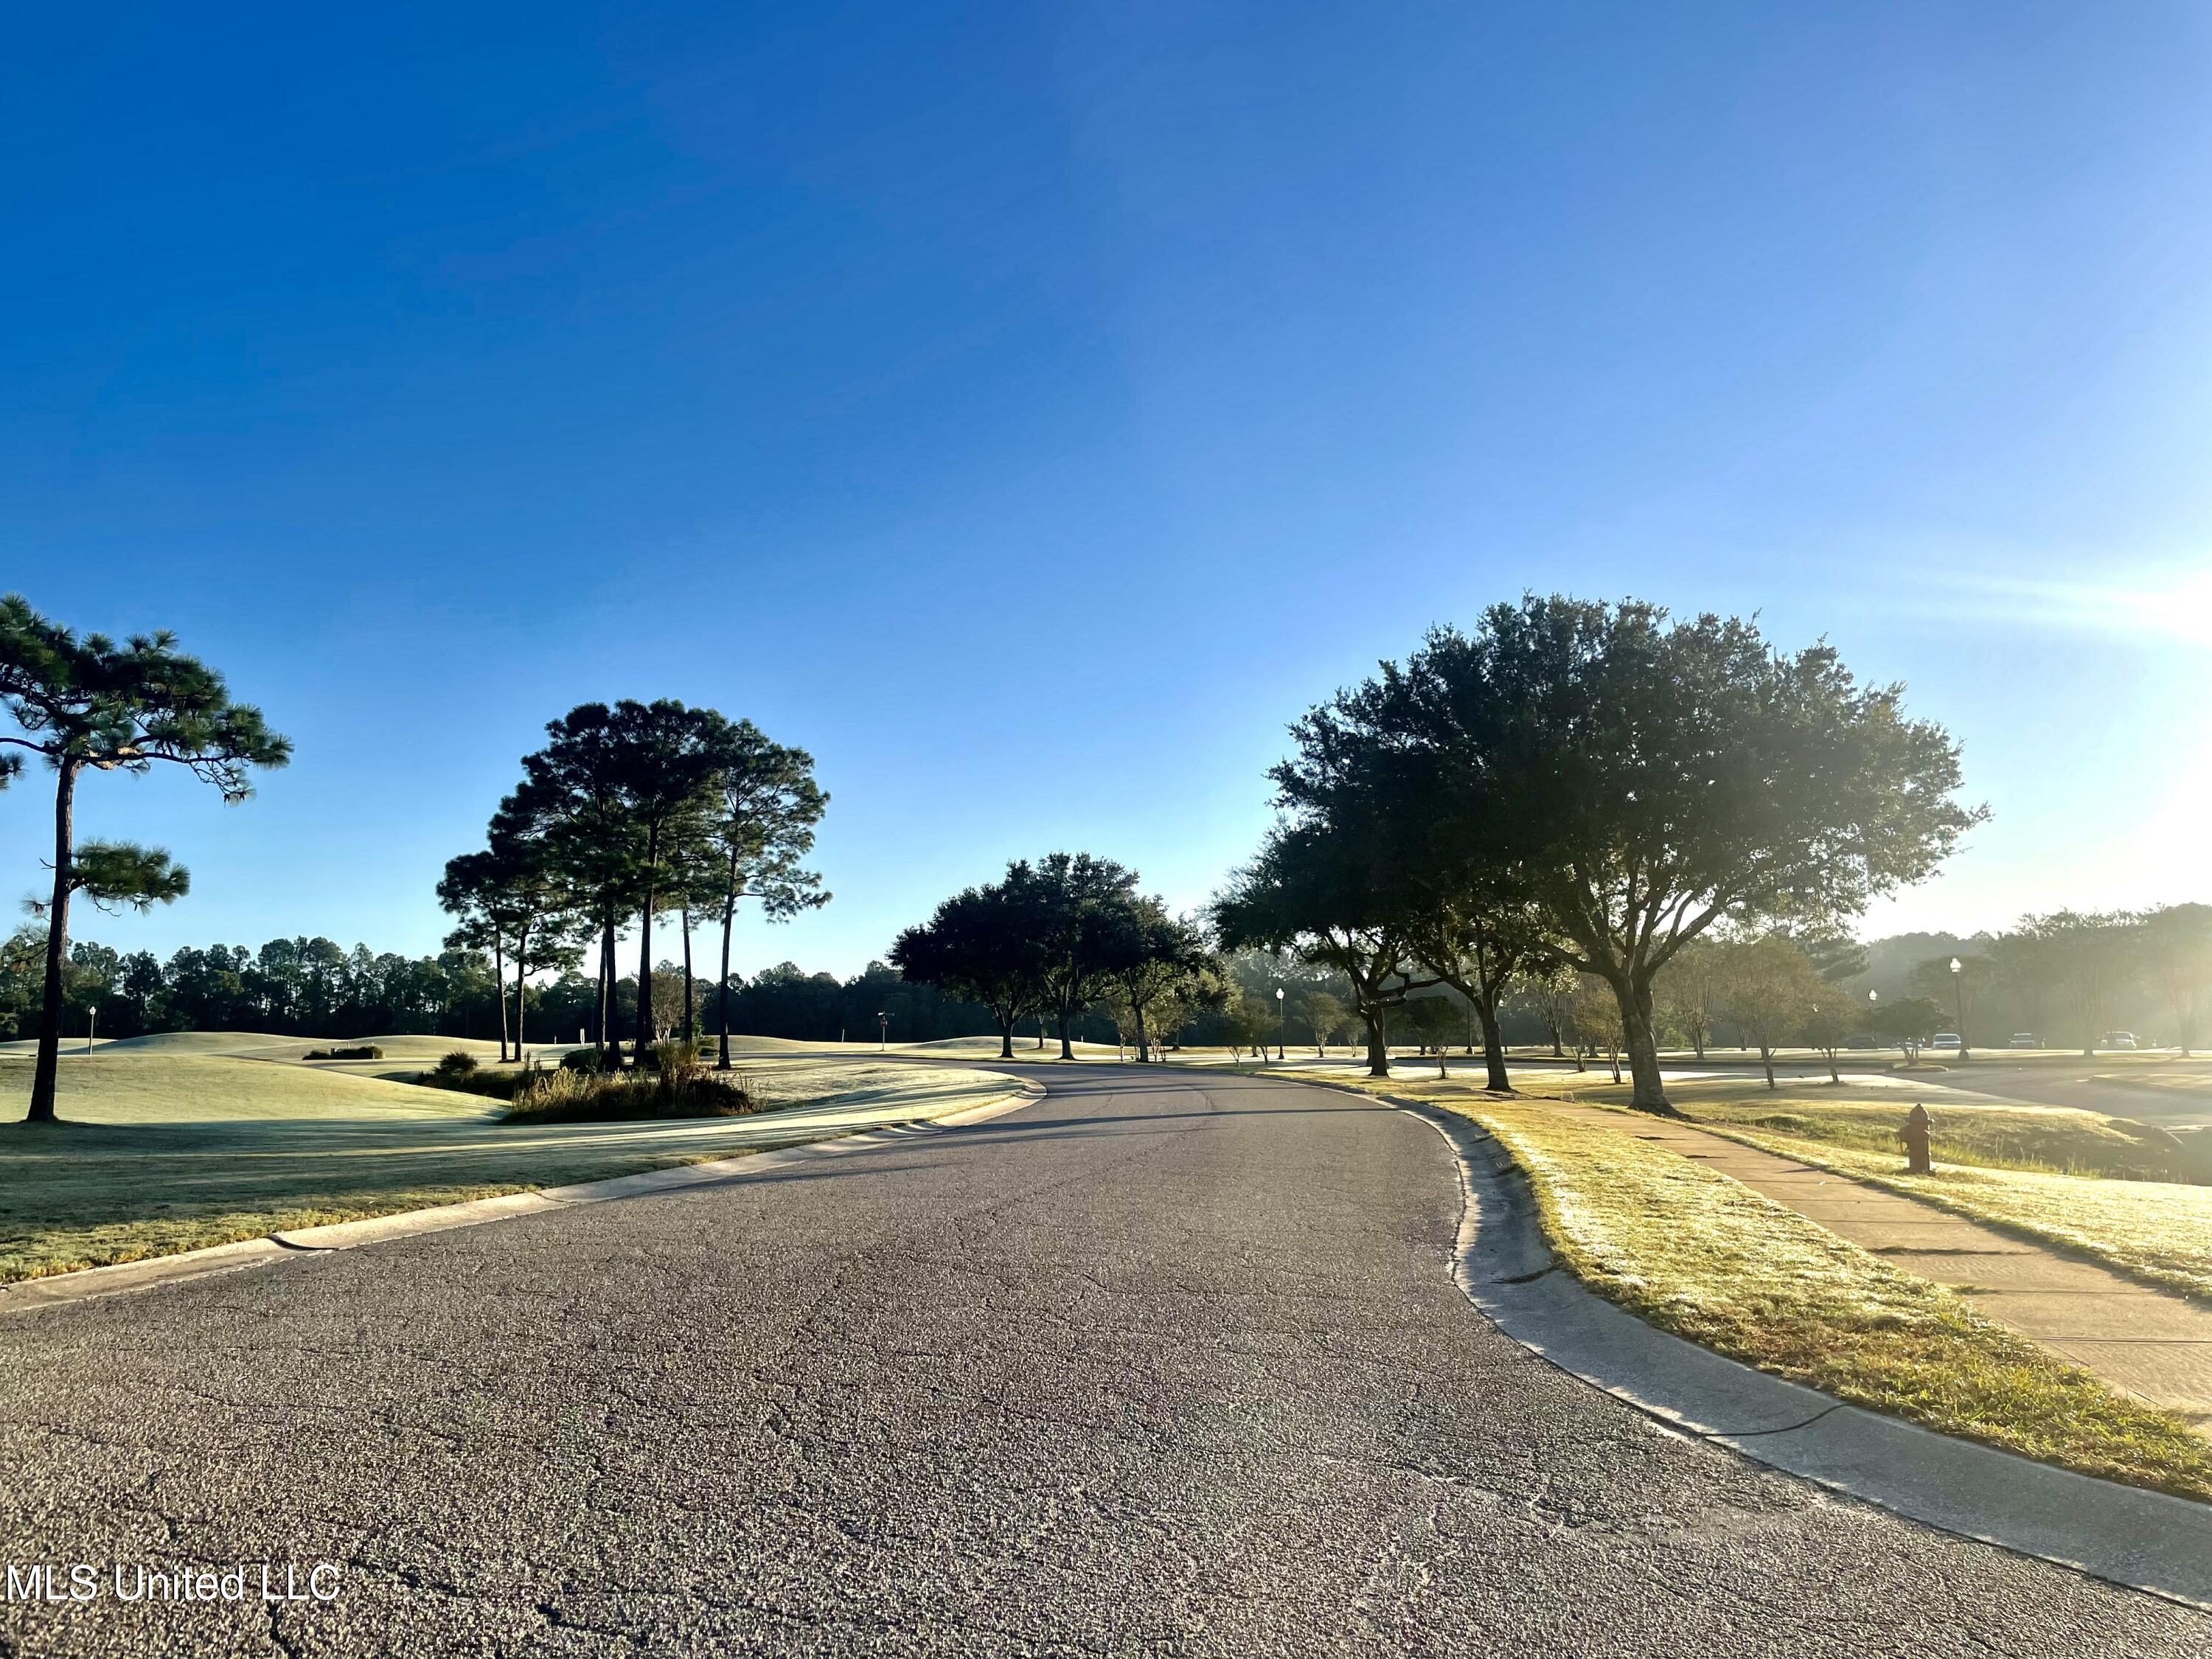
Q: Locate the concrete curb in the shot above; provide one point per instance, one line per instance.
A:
(88, 1283)
(2143, 1540)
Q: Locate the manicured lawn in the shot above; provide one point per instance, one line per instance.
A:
(1966, 1129)
(2159, 1231)
(1694, 1252)
(169, 1151)
(116, 1086)
(2079, 1180)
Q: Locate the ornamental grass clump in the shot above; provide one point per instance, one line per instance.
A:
(673, 1084)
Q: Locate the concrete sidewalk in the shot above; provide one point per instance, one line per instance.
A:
(2150, 1343)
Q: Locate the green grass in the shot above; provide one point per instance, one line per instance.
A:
(1696, 1253)
(2080, 1180)
(170, 1151)
(115, 1087)
(2050, 1140)
(2157, 1231)
(1968, 1129)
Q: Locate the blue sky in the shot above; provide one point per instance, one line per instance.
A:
(1030, 409)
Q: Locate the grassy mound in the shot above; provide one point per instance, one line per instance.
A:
(2049, 1140)
(122, 1086)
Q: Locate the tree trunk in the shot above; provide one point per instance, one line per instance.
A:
(685, 911)
(1067, 1048)
(46, 1076)
(1834, 1076)
(642, 1038)
(1650, 1091)
(521, 985)
(1493, 1049)
(1698, 1043)
(1142, 1053)
(1766, 1058)
(607, 985)
(1378, 1045)
(729, 921)
(645, 946)
(1006, 1037)
(499, 993)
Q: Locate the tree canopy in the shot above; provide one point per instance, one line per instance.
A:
(92, 704)
(1637, 779)
(982, 944)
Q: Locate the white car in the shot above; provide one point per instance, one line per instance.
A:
(2023, 1039)
(1947, 1040)
(2116, 1040)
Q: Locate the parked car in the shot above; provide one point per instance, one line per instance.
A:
(2023, 1039)
(2116, 1040)
(1947, 1040)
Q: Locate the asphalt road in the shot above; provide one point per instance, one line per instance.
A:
(1167, 1363)
(2076, 1085)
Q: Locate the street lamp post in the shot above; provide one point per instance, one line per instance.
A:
(882, 1031)
(1873, 1040)
(1282, 1024)
(1959, 1001)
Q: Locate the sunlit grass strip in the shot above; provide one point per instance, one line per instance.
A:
(2160, 1232)
(1698, 1254)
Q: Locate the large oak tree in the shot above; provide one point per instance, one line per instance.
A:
(983, 944)
(1325, 889)
(1643, 778)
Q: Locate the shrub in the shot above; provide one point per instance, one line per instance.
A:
(360, 1051)
(459, 1072)
(590, 1061)
(678, 1088)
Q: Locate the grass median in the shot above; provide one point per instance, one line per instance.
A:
(2157, 1231)
(159, 1153)
(2080, 1181)
(1694, 1252)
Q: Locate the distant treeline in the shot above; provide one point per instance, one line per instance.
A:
(314, 988)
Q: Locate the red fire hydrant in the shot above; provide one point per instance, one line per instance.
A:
(1915, 1137)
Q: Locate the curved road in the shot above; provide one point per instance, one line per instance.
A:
(2072, 1085)
(1164, 1363)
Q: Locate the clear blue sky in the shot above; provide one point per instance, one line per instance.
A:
(1030, 409)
